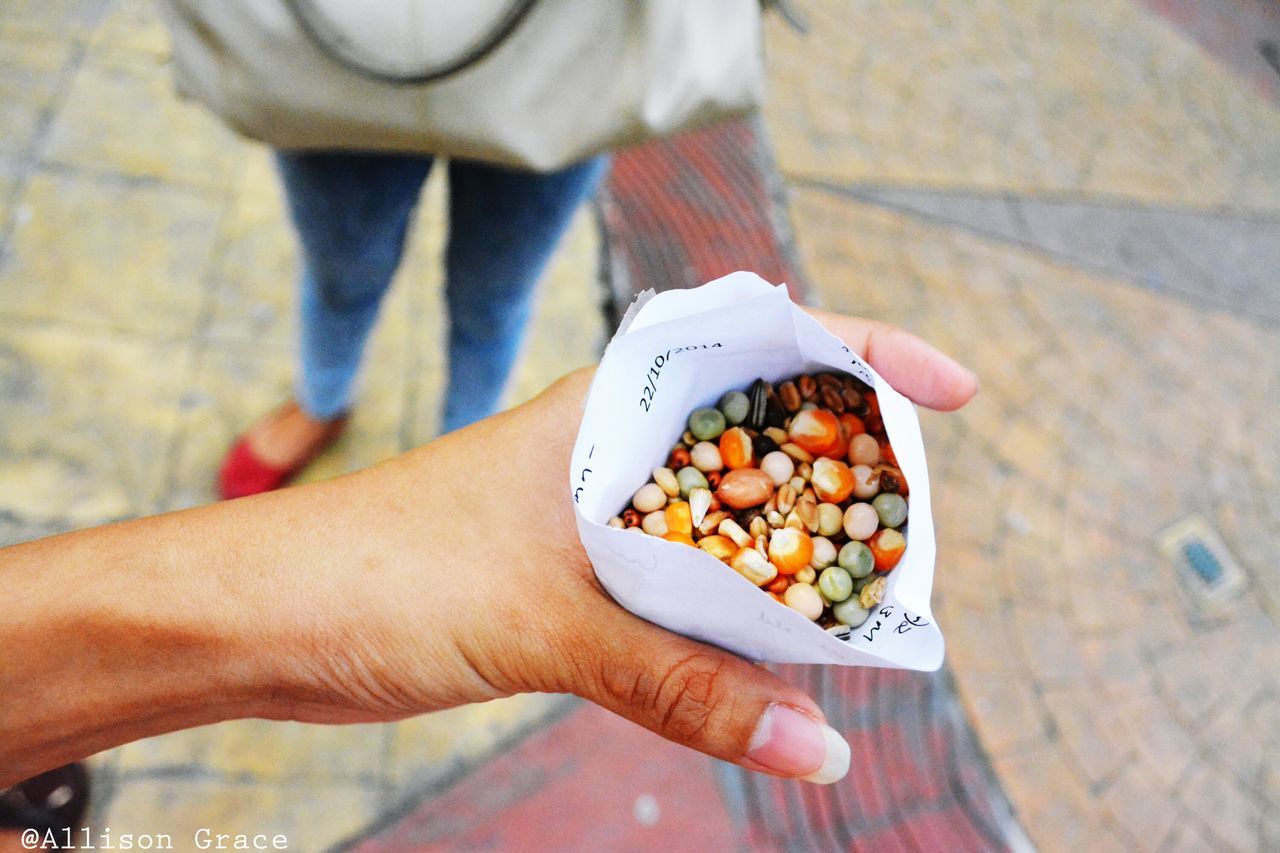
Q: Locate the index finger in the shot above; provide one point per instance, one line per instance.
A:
(919, 370)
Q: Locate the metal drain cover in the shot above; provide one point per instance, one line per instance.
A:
(1208, 572)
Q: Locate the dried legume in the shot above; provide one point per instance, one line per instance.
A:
(779, 466)
(734, 406)
(705, 456)
(836, 584)
(795, 487)
(804, 598)
(648, 498)
(706, 423)
(861, 521)
(824, 552)
(690, 478)
(655, 523)
(856, 558)
(891, 508)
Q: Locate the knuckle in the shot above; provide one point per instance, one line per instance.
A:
(682, 699)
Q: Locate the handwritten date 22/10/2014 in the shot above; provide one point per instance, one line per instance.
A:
(650, 387)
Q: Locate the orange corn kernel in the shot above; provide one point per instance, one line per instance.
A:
(873, 403)
(682, 538)
(832, 480)
(790, 550)
(887, 547)
(816, 431)
(780, 585)
(720, 547)
(680, 518)
(735, 448)
(851, 425)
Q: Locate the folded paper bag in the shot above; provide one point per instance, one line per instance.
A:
(682, 349)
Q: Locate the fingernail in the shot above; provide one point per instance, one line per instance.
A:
(793, 743)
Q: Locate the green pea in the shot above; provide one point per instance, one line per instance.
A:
(835, 583)
(857, 559)
(706, 423)
(850, 612)
(891, 508)
(735, 405)
(690, 478)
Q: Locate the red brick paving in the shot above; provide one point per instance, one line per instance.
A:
(575, 785)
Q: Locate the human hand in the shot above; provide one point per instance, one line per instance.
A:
(455, 575)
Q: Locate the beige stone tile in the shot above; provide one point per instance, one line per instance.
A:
(980, 647)
(427, 748)
(131, 26)
(1033, 96)
(59, 18)
(1012, 717)
(311, 817)
(1242, 739)
(8, 191)
(1030, 508)
(1269, 837)
(1231, 813)
(967, 576)
(106, 253)
(1165, 747)
(264, 751)
(257, 170)
(1090, 731)
(123, 116)
(1048, 642)
(1198, 678)
(1054, 805)
(1039, 580)
(86, 422)
(30, 67)
(254, 277)
(1145, 809)
(423, 278)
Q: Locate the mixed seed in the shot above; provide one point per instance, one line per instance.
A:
(793, 486)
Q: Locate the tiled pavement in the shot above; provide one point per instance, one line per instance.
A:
(1084, 204)
(1079, 199)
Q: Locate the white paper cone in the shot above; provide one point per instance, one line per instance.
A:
(682, 349)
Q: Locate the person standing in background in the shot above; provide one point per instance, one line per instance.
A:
(351, 211)
(525, 99)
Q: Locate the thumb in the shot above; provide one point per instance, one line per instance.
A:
(709, 700)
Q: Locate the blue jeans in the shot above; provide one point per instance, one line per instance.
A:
(352, 211)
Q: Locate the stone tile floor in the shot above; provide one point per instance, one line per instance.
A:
(949, 166)
(1080, 201)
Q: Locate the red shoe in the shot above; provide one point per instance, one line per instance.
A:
(243, 473)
